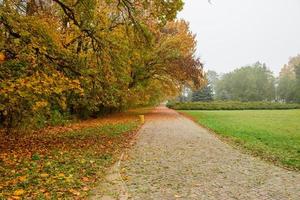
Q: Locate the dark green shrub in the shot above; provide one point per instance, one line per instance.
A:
(232, 105)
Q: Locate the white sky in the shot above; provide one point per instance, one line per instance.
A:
(234, 33)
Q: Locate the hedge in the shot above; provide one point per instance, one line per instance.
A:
(232, 105)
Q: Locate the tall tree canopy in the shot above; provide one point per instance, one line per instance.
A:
(212, 78)
(251, 83)
(87, 57)
(289, 81)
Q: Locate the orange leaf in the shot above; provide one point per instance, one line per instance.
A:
(74, 192)
(23, 178)
(85, 179)
(19, 192)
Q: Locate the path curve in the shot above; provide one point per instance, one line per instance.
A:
(174, 158)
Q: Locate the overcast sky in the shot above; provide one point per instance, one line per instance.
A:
(234, 33)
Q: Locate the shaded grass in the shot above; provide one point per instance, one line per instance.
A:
(270, 134)
(63, 162)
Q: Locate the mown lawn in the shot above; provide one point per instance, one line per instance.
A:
(270, 134)
(63, 162)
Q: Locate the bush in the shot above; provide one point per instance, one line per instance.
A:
(232, 105)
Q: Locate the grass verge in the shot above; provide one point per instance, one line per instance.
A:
(273, 135)
(63, 162)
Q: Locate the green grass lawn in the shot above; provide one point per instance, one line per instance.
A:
(270, 134)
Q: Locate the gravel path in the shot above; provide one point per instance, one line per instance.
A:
(174, 158)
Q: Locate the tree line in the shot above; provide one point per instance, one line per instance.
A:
(253, 83)
(84, 58)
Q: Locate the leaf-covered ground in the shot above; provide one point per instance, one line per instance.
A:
(63, 162)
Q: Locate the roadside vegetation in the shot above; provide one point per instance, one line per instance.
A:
(250, 83)
(64, 162)
(65, 61)
(273, 135)
(252, 108)
(232, 105)
(62, 59)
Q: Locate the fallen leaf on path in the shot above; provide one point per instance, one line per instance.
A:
(19, 192)
(85, 189)
(42, 190)
(23, 178)
(74, 192)
(14, 197)
(85, 179)
(44, 175)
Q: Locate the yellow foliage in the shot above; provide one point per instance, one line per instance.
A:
(19, 192)
(44, 175)
(93, 58)
(23, 178)
(39, 105)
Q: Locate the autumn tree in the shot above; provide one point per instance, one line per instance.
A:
(289, 81)
(88, 57)
(287, 84)
(297, 71)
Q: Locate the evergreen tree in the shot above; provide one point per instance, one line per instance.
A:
(204, 94)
